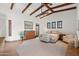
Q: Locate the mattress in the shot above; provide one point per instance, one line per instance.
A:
(35, 47)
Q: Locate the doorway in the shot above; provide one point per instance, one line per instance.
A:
(37, 30)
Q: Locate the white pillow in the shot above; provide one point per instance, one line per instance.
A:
(44, 38)
(49, 37)
(54, 37)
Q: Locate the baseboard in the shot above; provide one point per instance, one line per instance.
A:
(13, 41)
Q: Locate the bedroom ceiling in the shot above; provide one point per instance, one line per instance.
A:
(38, 10)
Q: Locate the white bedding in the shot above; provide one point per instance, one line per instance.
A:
(37, 48)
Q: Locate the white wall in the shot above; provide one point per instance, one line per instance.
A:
(2, 25)
(69, 21)
(18, 24)
(17, 20)
(78, 21)
(77, 16)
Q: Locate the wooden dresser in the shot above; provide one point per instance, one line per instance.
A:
(29, 35)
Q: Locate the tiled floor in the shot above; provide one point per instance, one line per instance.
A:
(8, 48)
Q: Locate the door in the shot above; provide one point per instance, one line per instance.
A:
(37, 30)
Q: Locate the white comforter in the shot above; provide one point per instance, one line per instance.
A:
(37, 48)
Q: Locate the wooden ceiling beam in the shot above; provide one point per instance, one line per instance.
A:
(50, 4)
(43, 16)
(12, 6)
(62, 5)
(45, 4)
(26, 7)
(71, 8)
(36, 9)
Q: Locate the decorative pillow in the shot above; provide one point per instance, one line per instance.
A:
(68, 39)
(52, 31)
(69, 36)
(49, 31)
(54, 37)
(49, 37)
(44, 38)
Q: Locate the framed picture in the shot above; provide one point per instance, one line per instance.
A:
(48, 25)
(53, 25)
(59, 24)
(28, 25)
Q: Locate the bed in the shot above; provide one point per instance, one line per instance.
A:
(37, 48)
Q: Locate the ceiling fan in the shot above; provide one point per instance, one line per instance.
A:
(44, 13)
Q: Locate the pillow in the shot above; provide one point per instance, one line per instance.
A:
(68, 39)
(53, 40)
(52, 31)
(48, 32)
(49, 37)
(44, 38)
(69, 36)
(55, 32)
(54, 37)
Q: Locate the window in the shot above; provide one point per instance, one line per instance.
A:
(53, 25)
(59, 24)
(48, 25)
